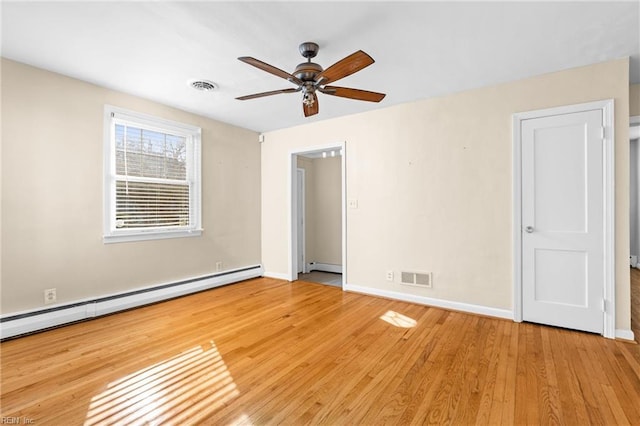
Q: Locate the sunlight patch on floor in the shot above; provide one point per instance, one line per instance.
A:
(185, 388)
(399, 320)
(243, 420)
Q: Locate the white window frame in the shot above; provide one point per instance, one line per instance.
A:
(115, 115)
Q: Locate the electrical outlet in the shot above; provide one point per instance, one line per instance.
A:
(218, 266)
(50, 296)
(353, 203)
(389, 275)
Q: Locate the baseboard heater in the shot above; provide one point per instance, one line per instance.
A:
(324, 267)
(14, 325)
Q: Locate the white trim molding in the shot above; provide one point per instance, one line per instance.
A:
(625, 335)
(634, 134)
(19, 323)
(276, 275)
(302, 238)
(607, 108)
(429, 301)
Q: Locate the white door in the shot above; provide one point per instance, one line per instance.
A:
(563, 269)
(300, 206)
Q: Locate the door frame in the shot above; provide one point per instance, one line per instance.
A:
(606, 106)
(634, 121)
(302, 234)
(293, 210)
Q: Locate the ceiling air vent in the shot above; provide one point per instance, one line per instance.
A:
(203, 85)
(418, 279)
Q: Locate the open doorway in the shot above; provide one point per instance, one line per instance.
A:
(318, 242)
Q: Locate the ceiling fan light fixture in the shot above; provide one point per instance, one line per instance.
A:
(202, 85)
(307, 98)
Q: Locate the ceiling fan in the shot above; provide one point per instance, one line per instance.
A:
(311, 78)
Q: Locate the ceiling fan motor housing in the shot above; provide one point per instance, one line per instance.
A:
(307, 71)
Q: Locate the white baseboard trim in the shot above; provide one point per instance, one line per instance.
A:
(15, 324)
(324, 267)
(276, 275)
(439, 303)
(625, 334)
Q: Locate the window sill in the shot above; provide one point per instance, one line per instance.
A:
(146, 236)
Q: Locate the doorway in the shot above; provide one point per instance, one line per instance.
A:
(563, 217)
(318, 215)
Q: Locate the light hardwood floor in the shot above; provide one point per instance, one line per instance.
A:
(270, 352)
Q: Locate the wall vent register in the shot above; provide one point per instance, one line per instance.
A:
(419, 279)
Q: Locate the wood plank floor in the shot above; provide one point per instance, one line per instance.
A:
(266, 351)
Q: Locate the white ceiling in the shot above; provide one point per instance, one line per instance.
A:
(422, 49)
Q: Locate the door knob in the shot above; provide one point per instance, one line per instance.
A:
(529, 229)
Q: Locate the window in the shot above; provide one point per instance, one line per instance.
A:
(152, 177)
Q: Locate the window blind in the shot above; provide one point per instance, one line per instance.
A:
(152, 189)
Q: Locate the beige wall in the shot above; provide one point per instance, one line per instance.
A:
(634, 99)
(52, 143)
(323, 209)
(433, 184)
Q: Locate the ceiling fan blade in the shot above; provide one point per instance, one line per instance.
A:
(270, 69)
(313, 109)
(344, 67)
(273, 92)
(346, 92)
